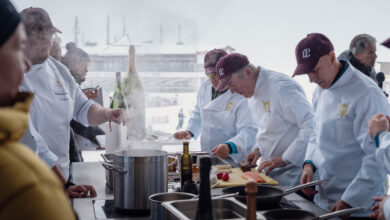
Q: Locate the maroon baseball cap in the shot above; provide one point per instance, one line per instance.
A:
(386, 43)
(37, 19)
(211, 59)
(309, 50)
(227, 65)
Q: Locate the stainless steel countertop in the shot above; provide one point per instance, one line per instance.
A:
(92, 173)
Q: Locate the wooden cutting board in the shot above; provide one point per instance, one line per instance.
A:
(235, 179)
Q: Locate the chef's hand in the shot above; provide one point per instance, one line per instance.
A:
(272, 163)
(221, 150)
(182, 135)
(340, 205)
(91, 93)
(377, 124)
(253, 157)
(81, 191)
(307, 176)
(117, 115)
(377, 209)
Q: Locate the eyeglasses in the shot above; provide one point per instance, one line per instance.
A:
(212, 75)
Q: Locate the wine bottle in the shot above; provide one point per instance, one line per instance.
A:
(251, 193)
(118, 99)
(204, 210)
(135, 97)
(185, 165)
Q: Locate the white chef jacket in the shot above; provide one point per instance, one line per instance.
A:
(33, 140)
(284, 120)
(224, 119)
(386, 209)
(57, 100)
(382, 155)
(340, 146)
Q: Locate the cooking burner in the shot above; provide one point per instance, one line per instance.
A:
(105, 209)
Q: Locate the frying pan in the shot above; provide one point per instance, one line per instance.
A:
(298, 214)
(267, 196)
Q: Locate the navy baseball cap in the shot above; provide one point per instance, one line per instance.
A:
(309, 50)
(227, 65)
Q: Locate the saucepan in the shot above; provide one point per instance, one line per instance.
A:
(267, 196)
(299, 214)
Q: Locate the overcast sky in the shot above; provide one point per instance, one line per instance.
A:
(265, 30)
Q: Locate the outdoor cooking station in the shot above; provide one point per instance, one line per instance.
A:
(93, 173)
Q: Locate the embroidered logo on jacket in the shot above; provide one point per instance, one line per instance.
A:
(267, 107)
(343, 110)
(229, 106)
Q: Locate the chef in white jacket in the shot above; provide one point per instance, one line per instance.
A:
(378, 128)
(340, 148)
(57, 98)
(221, 119)
(281, 112)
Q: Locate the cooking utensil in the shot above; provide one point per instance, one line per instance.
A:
(267, 196)
(156, 209)
(138, 173)
(299, 214)
(109, 159)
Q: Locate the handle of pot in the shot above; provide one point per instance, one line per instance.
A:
(294, 189)
(221, 196)
(227, 195)
(340, 212)
(111, 167)
(105, 158)
(173, 162)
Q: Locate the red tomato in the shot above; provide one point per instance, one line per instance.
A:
(219, 175)
(225, 177)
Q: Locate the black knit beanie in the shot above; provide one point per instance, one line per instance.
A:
(9, 20)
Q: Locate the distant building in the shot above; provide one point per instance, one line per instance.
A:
(170, 74)
(149, 57)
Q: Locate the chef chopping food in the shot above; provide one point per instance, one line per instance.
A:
(221, 119)
(280, 110)
(340, 148)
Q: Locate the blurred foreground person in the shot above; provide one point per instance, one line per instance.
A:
(58, 99)
(28, 189)
(222, 119)
(281, 112)
(340, 148)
